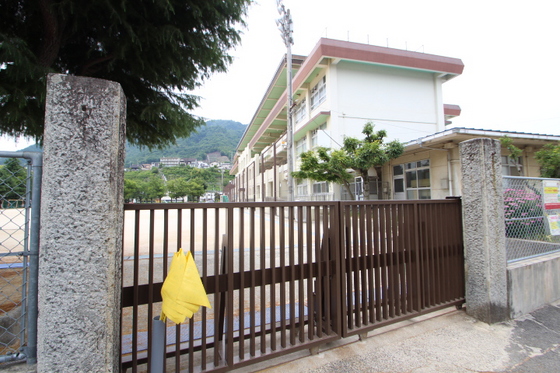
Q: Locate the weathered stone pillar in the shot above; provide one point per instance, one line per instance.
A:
(484, 230)
(82, 220)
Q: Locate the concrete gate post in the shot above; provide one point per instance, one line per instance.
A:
(82, 221)
(484, 230)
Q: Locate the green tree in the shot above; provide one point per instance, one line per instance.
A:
(324, 164)
(131, 189)
(549, 160)
(178, 188)
(358, 155)
(207, 176)
(12, 180)
(155, 188)
(156, 50)
(195, 190)
(149, 185)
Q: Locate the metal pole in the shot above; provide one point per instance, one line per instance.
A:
(33, 286)
(286, 28)
(290, 123)
(157, 356)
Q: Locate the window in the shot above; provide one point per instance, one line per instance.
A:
(314, 138)
(417, 178)
(319, 93)
(302, 188)
(510, 167)
(322, 187)
(300, 111)
(315, 134)
(301, 146)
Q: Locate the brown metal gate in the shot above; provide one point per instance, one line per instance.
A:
(402, 259)
(282, 277)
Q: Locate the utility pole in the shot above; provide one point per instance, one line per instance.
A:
(286, 27)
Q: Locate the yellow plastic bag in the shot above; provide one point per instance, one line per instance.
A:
(182, 292)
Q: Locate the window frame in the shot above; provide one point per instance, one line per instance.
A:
(318, 93)
(301, 145)
(302, 188)
(320, 187)
(418, 191)
(300, 111)
(509, 165)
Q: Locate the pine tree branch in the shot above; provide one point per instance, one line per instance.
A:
(87, 70)
(52, 37)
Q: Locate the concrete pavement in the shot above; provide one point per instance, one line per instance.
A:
(446, 341)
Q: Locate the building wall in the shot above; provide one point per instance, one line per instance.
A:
(445, 164)
(401, 101)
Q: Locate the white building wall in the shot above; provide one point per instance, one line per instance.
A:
(401, 101)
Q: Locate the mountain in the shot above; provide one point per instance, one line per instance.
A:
(217, 136)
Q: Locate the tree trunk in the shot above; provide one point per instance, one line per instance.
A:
(349, 190)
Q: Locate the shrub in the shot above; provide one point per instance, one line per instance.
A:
(524, 214)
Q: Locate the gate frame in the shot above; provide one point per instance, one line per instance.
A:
(35, 164)
(340, 327)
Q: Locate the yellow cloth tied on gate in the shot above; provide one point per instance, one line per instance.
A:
(183, 292)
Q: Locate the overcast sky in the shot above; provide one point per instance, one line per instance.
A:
(511, 52)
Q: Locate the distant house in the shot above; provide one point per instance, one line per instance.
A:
(148, 166)
(213, 157)
(170, 162)
(190, 161)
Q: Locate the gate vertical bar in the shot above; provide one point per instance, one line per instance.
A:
(230, 289)
(25, 259)
(33, 286)
(301, 287)
(262, 267)
(241, 269)
(282, 241)
(309, 253)
(272, 253)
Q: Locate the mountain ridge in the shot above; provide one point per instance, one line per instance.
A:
(217, 135)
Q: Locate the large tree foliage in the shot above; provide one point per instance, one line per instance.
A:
(549, 160)
(195, 189)
(144, 186)
(180, 181)
(177, 188)
(155, 49)
(359, 155)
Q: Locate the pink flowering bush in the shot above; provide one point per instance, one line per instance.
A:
(523, 213)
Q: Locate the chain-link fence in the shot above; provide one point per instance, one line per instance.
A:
(19, 228)
(531, 224)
